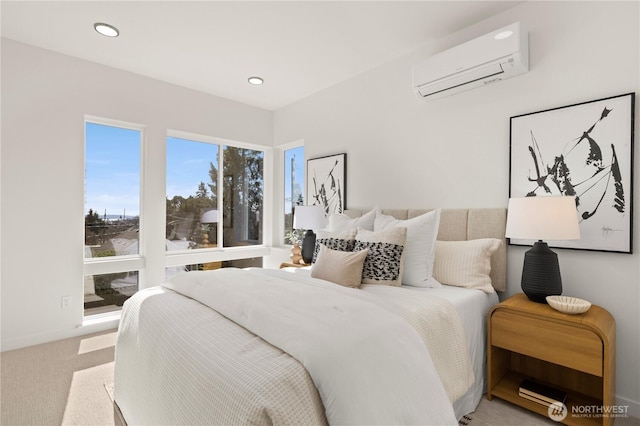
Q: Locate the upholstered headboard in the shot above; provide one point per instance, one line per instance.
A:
(466, 224)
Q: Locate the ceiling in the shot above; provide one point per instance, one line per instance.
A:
(298, 47)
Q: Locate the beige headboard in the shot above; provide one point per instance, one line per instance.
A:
(466, 224)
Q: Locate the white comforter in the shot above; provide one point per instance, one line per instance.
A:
(343, 342)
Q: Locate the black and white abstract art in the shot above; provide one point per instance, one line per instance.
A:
(326, 183)
(585, 150)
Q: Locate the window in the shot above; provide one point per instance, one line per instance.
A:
(214, 209)
(112, 214)
(112, 190)
(214, 200)
(107, 292)
(242, 196)
(293, 186)
(192, 195)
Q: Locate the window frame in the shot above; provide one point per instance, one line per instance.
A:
(119, 263)
(150, 260)
(219, 254)
(279, 227)
(284, 188)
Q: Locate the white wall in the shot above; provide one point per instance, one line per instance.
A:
(45, 97)
(402, 152)
(454, 152)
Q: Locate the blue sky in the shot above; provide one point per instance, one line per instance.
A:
(298, 167)
(188, 165)
(112, 171)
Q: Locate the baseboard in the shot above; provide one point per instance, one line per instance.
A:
(633, 409)
(118, 418)
(51, 336)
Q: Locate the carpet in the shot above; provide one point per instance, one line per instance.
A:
(469, 420)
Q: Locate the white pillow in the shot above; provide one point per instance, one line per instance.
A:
(422, 232)
(340, 267)
(465, 263)
(342, 222)
(384, 263)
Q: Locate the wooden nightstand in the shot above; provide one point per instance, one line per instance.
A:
(574, 353)
(293, 265)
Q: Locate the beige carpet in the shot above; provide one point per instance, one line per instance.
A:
(70, 382)
(58, 383)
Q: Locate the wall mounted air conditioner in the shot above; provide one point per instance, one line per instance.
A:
(496, 56)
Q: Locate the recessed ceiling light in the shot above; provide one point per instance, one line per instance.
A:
(256, 80)
(502, 35)
(106, 29)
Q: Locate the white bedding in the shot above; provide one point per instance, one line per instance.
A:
(178, 362)
(368, 364)
(472, 306)
(169, 369)
(432, 317)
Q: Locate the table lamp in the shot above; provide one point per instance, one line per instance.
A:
(309, 218)
(208, 217)
(542, 218)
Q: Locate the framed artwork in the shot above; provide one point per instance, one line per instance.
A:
(584, 150)
(326, 182)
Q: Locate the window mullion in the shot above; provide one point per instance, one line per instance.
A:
(220, 197)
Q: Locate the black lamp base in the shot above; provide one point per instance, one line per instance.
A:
(308, 246)
(541, 273)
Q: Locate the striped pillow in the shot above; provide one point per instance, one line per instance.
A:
(465, 263)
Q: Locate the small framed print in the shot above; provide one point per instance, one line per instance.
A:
(326, 183)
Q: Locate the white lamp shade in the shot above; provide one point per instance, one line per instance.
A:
(543, 218)
(209, 216)
(309, 217)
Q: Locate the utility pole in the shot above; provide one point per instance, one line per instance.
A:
(293, 178)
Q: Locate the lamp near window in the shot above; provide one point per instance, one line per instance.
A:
(542, 218)
(309, 218)
(207, 218)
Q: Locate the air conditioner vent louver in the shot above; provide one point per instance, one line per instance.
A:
(460, 79)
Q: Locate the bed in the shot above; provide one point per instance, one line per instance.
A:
(287, 347)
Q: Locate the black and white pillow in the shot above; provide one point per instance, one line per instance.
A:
(383, 264)
(340, 241)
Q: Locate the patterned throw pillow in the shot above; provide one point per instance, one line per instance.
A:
(340, 241)
(383, 264)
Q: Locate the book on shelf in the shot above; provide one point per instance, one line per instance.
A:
(544, 402)
(540, 393)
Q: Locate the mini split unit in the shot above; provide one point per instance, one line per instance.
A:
(501, 54)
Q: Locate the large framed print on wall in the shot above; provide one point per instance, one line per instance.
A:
(585, 150)
(326, 182)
